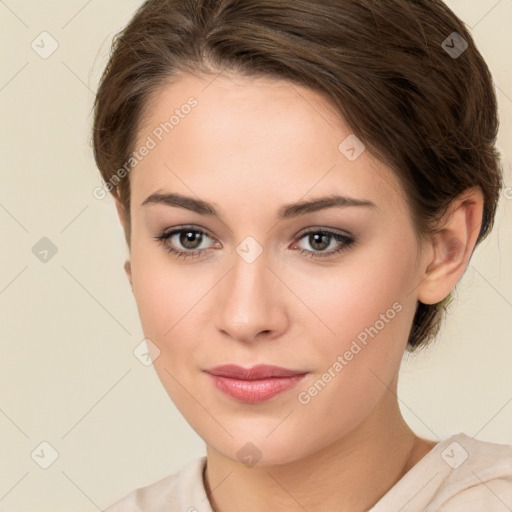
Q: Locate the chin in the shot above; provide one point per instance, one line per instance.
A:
(258, 451)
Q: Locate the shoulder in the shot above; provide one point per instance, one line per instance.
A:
(460, 474)
(180, 491)
(479, 476)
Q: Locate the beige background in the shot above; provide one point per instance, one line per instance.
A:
(68, 326)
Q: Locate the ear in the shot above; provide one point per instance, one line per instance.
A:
(452, 246)
(122, 214)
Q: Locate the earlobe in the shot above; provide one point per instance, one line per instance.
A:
(452, 246)
(121, 213)
(128, 270)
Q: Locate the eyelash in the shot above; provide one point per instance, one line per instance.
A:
(166, 235)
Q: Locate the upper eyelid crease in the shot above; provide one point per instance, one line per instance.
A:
(285, 212)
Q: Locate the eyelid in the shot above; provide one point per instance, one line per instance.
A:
(322, 229)
(177, 229)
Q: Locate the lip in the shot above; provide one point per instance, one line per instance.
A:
(260, 371)
(256, 384)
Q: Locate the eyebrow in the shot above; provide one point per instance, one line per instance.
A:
(285, 212)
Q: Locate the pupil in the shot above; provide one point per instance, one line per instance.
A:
(321, 239)
(188, 238)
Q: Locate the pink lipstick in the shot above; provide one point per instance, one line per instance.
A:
(256, 384)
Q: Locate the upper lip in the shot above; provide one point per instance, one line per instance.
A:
(261, 371)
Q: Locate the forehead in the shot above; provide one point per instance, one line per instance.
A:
(223, 136)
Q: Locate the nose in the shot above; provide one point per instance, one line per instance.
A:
(251, 302)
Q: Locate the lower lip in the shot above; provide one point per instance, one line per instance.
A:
(255, 391)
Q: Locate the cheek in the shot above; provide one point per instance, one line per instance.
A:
(172, 302)
(166, 309)
(370, 308)
(158, 291)
(367, 292)
(370, 312)
(160, 285)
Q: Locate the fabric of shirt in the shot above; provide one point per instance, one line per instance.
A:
(460, 474)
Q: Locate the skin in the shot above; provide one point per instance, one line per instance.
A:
(249, 147)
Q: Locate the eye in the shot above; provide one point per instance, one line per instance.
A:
(322, 239)
(188, 242)
(184, 242)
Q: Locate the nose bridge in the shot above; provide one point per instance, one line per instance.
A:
(248, 301)
(248, 284)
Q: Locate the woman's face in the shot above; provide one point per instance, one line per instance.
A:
(250, 149)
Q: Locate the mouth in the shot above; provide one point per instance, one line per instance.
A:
(256, 384)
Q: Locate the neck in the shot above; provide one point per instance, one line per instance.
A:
(351, 474)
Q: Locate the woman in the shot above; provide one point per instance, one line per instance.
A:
(301, 186)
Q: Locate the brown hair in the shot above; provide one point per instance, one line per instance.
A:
(389, 67)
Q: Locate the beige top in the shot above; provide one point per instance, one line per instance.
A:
(460, 474)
